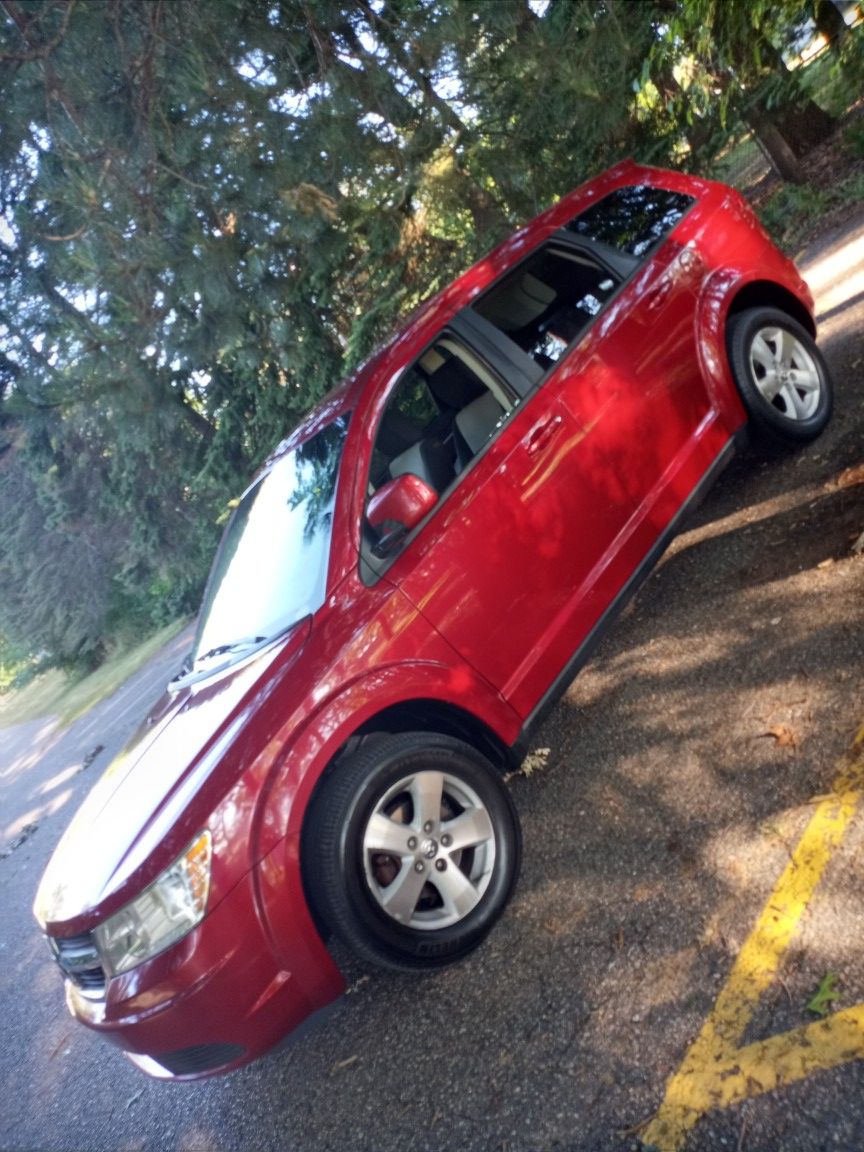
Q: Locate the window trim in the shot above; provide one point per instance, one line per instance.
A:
(643, 257)
(622, 266)
(508, 376)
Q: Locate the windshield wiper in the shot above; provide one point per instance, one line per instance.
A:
(234, 646)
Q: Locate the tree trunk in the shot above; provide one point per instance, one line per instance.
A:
(775, 146)
(803, 124)
(799, 120)
(829, 20)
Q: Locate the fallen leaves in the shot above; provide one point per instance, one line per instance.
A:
(826, 995)
(535, 761)
(783, 736)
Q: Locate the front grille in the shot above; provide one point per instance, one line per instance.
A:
(199, 1059)
(80, 961)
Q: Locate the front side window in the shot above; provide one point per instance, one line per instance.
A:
(271, 567)
(441, 414)
(633, 220)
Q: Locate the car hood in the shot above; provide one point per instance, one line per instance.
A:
(122, 830)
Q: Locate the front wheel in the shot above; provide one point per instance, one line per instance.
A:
(412, 850)
(782, 378)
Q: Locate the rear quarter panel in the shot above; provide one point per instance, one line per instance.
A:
(738, 255)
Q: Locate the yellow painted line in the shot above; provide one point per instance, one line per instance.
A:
(716, 1072)
(768, 1064)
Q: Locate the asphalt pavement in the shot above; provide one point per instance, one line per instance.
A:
(687, 889)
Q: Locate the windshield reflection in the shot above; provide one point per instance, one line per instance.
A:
(271, 568)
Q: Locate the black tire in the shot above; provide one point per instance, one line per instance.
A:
(781, 376)
(378, 868)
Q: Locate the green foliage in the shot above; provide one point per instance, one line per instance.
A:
(792, 210)
(18, 667)
(718, 64)
(825, 996)
(854, 138)
(43, 690)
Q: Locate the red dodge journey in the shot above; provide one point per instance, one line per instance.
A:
(408, 585)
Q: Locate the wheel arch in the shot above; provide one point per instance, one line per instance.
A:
(423, 714)
(420, 698)
(725, 294)
(769, 294)
(309, 752)
(445, 719)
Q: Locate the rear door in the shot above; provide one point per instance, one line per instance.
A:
(607, 309)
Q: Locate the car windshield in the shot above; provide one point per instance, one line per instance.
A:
(271, 567)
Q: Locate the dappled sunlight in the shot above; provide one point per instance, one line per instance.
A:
(719, 1067)
(832, 934)
(195, 1138)
(35, 734)
(744, 517)
(38, 813)
(677, 653)
(838, 276)
(742, 856)
(662, 978)
(672, 794)
(674, 774)
(741, 613)
(561, 904)
(61, 778)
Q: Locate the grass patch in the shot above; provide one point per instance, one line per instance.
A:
(741, 163)
(828, 84)
(56, 694)
(795, 211)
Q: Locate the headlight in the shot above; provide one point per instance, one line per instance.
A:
(163, 914)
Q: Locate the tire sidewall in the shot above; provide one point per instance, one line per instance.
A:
(358, 914)
(765, 418)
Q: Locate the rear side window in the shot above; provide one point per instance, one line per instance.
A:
(633, 220)
(549, 301)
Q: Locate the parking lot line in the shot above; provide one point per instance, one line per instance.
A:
(716, 1072)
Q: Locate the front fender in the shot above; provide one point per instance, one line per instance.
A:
(313, 747)
(325, 731)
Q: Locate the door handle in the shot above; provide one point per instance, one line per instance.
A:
(658, 297)
(540, 435)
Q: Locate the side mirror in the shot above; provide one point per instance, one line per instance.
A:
(396, 508)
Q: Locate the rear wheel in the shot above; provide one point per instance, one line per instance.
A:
(782, 378)
(412, 850)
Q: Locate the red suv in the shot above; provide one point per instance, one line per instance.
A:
(408, 585)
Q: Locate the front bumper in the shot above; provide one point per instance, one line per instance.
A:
(219, 998)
